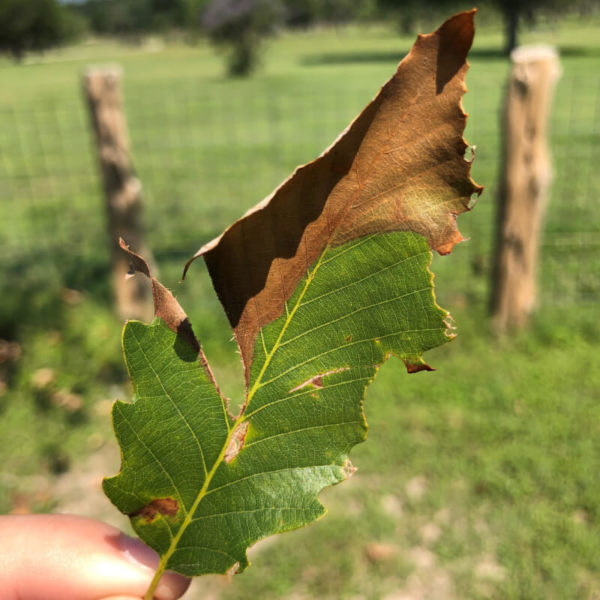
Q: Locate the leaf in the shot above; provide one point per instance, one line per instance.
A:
(321, 282)
(399, 166)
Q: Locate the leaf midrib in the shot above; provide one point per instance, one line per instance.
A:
(257, 383)
(244, 416)
(188, 519)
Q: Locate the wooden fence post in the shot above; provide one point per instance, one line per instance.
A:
(123, 190)
(524, 185)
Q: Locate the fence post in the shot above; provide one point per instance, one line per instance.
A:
(524, 184)
(123, 190)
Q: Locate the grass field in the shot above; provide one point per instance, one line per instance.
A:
(478, 480)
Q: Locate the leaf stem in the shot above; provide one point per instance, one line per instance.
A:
(190, 513)
(149, 595)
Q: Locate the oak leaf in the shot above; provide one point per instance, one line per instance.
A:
(321, 282)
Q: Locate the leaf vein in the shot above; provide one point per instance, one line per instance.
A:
(304, 393)
(354, 312)
(348, 248)
(249, 511)
(294, 431)
(151, 453)
(372, 274)
(259, 474)
(378, 337)
(203, 548)
(172, 401)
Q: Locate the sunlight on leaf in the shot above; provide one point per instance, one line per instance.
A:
(321, 282)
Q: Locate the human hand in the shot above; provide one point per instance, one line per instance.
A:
(65, 557)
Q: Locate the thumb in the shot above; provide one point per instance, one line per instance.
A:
(65, 557)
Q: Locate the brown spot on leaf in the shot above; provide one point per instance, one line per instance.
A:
(167, 507)
(317, 380)
(236, 443)
(348, 469)
(348, 339)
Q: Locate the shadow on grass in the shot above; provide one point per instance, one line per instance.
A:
(341, 58)
(354, 57)
(564, 51)
(579, 51)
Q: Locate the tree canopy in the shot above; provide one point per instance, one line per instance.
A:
(34, 25)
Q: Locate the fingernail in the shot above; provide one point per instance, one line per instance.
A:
(138, 553)
(172, 585)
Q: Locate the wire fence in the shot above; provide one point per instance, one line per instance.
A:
(204, 157)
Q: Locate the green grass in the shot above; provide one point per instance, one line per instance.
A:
(207, 148)
(480, 478)
(493, 455)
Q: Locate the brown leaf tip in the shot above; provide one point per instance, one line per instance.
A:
(137, 262)
(384, 173)
(166, 507)
(455, 39)
(166, 306)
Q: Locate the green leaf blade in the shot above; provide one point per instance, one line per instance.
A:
(174, 429)
(321, 283)
(304, 417)
(302, 420)
(246, 505)
(365, 300)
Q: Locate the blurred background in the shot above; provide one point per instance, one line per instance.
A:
(479, 480)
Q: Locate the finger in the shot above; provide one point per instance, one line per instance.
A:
(65, 557)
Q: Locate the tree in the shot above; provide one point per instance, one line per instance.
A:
(303, 13)
(133, 17)
(407, 13)
(516, 12)
(117, 17)
(34, 25)
(240, 26)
